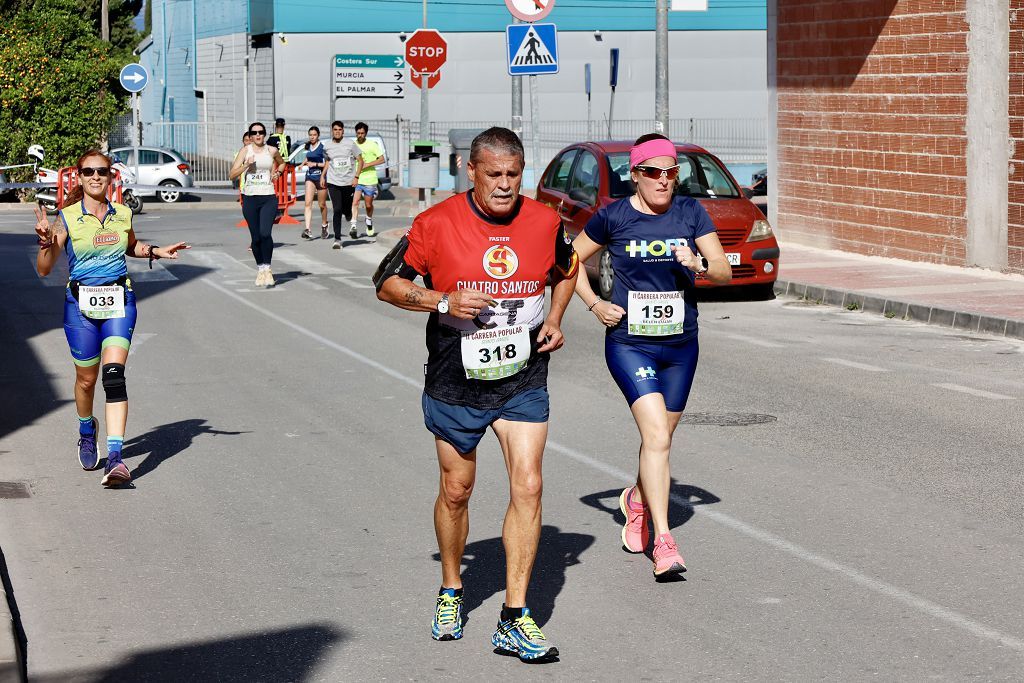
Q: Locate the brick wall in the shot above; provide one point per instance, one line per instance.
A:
(871, 112)
(1015, 217)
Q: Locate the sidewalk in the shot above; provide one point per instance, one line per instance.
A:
(969, 299)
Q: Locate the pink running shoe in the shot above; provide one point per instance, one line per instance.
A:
(667, 560)
(636, 533)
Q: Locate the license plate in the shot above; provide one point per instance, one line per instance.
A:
(734, 259)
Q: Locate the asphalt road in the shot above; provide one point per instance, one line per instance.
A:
(848, 490)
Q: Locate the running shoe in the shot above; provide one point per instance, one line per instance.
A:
(667, 560)
(336, 245)
(268, 278)
(448, 616)
(323, 231)
(306, 235)
(116, 472)
(522, 638)
(352, 231)
(259, 277)
(88, 456)
(636, 532)
(369, 228)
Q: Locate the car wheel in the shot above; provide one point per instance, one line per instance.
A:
(169, 196)
(605, 275)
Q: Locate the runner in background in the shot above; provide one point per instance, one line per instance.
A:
(366, 188)
(314, 165)
(344, 164)
(261, 165)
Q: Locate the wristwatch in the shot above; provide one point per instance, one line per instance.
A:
(703, 266)
(442, 305)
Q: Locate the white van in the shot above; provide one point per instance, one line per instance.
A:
(298, 155)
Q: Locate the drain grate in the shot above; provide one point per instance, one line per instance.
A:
(14, 489)
(728, 419)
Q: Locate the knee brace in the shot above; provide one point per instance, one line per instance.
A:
(113, 383)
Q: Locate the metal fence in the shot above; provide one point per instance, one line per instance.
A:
(210, 147)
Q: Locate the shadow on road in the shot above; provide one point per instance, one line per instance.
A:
(285, 655)
(682, 499)
(484, 573)
(165, 442)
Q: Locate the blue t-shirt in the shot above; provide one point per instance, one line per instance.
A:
(640, 247)
(315, 155)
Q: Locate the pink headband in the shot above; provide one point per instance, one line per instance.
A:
(658, 147)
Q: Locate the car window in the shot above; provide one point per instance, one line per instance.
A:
(149, 156)
(585, 179)
(166, 158)
(620, 185)
(701, 176)
(298, 156)
(127, 156)
(558, 175)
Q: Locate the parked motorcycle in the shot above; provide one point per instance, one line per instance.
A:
(47, 197)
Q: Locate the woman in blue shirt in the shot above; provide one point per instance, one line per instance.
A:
(654, 238)
(314, 165)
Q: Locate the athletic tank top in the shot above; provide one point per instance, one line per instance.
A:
(315, 155)
(259, 182)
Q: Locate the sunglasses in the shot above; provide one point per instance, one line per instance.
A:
(90, 171)
(655, 172)
(257, 132)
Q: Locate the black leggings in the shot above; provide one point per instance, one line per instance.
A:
(260, 212)
(341, 201)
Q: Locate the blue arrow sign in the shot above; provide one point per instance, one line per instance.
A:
(532, 49)
(134, 78)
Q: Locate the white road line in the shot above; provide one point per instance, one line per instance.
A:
(918, 603)
(855, 364)
(357, 282)
(975, 392)
(755, 342)
(306, 264)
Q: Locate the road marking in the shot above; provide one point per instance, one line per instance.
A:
(139, 271)
(920, 604)
(755, 342)
(307, 264)
(226, 264)
(975, 392)
(357, 282)
(855, 364)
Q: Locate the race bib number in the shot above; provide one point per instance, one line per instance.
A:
(258, 179)
(342, 165)
(655, 314)
(497, 353)
(101, 303)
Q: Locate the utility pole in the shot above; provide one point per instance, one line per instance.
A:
(105, 20)
(517, 99)
(424, 193)
(661, 69)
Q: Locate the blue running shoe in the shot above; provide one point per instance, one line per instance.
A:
(116, 472)
(88, 456)
(522, 638)
(447, 616)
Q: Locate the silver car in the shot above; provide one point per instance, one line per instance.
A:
(298, 155)
(159, 166)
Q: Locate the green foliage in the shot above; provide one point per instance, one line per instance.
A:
(58, 83)
(121, 18)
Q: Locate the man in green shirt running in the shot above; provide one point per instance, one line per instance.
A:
(366, 187)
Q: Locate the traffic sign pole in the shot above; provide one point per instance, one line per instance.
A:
(135, 133)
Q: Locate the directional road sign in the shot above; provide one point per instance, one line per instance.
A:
(369, 76)
(426, 51)
(532, 49)
(134, 77)
(530, 10)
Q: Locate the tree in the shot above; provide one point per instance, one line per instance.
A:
(58, 82)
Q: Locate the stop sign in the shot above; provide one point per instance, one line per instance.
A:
(426, 51)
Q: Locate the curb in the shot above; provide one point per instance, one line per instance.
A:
(13, 644)
(904, 310)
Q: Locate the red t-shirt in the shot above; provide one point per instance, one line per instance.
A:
(456, 246)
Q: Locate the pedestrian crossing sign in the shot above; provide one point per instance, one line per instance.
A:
(532, 49)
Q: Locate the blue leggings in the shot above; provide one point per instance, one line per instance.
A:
(260, 212)
(88, 337)
(641, 368)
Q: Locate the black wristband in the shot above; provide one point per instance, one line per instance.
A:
(152, 255)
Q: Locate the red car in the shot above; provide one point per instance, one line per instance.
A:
(586, 176)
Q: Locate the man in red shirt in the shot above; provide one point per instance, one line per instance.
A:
(485, 256)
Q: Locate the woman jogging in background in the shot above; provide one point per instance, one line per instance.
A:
(260, 165)
(314, 165)
(651, 324)
(99, 304)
